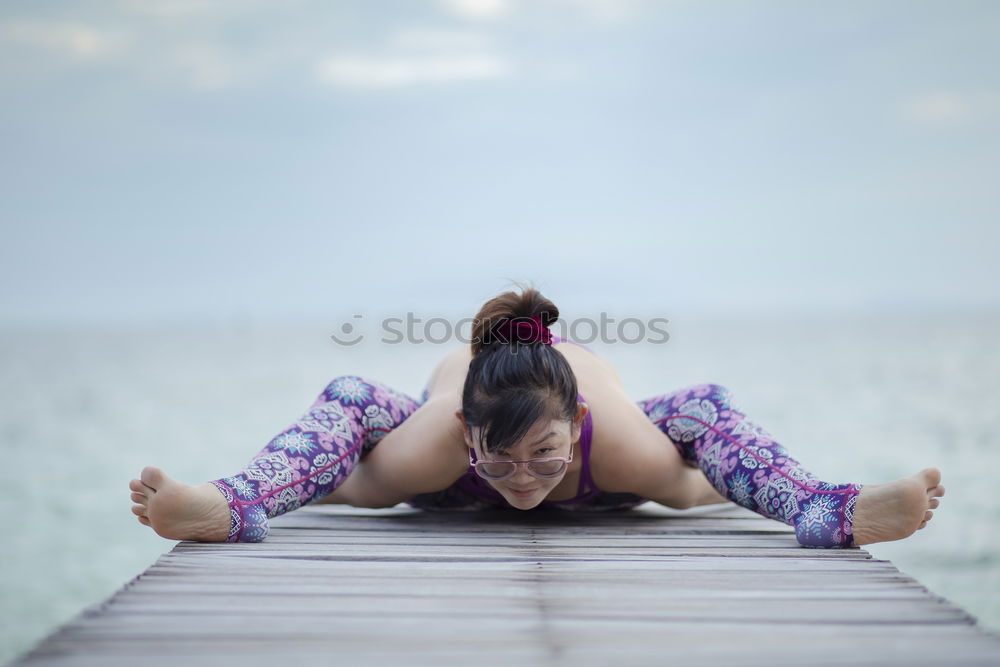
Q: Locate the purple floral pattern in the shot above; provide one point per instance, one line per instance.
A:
(747, 466)
(313, 456)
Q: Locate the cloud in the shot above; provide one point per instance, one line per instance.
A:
(598, 11)
(603, 11)
(937, 107)
(207, 67)
(380, 73)
(437, 39)
(482, 10)
(418, 55)
(169, 9)
(182, 10)
(951, 108)
(76, 40)
(192, 43)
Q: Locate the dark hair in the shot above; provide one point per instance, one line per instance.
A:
(511, 384)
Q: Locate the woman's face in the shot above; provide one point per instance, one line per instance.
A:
(545, 439)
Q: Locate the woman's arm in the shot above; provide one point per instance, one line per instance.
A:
(701, 490)
(632, 455)
(425, 453)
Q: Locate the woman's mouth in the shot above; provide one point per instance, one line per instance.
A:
(522, 494)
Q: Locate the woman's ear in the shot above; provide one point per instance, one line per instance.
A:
(576, 426)
(465, 429)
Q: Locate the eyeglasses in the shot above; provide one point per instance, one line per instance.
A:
(545, 468)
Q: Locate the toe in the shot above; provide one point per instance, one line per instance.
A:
(928, 515)
(139, 510)
(152, 477)
(139, 498)
(934, 503)
(935, 492)
(137, 486)
(144, 521)
(932, 477)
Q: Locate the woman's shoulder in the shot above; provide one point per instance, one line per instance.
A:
(591, 370)
(626, 446)
(448, 376)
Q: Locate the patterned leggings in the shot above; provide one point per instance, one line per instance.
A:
(314, 455)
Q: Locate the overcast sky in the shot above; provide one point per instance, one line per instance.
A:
(193, 160)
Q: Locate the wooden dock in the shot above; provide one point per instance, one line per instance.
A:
(343, 586)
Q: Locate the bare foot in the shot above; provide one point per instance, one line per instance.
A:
(178, 511)
(892, 511)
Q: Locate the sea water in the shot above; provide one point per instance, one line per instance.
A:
(860, 399)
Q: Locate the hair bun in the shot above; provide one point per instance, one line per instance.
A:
(522, 330)
(514, 318)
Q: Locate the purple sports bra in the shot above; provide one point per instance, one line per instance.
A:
(475, 485)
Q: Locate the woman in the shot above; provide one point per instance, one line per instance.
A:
(524, 419)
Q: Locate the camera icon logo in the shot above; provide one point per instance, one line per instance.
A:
(347, 335)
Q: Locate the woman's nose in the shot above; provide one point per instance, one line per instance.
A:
(522, 476)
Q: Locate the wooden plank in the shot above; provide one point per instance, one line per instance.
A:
(190, 618)
(401, 586)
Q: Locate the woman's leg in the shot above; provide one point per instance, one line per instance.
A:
(745, 465)
(314, 455)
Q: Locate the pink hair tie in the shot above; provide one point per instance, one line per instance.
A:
(523, 330)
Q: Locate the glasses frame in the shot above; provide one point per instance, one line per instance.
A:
(525, 464)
